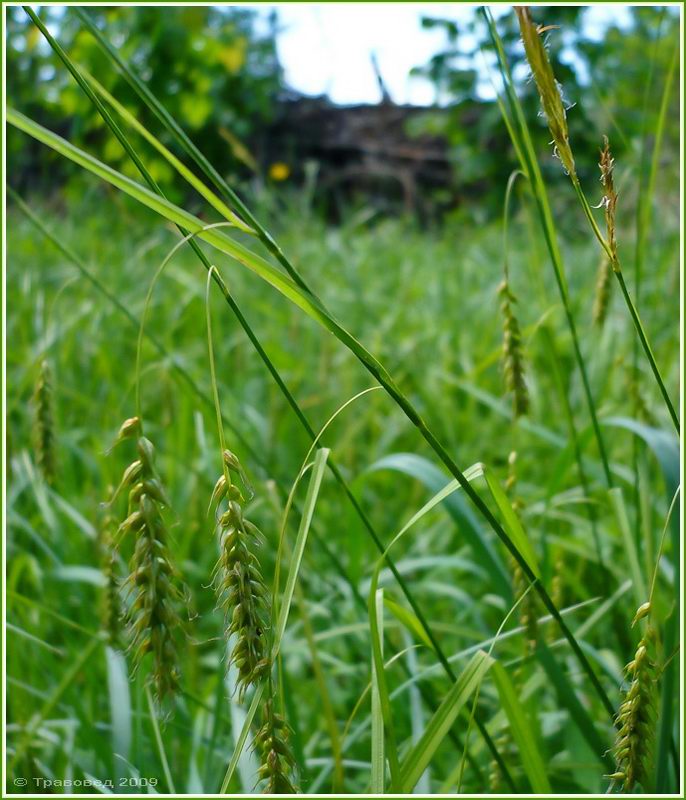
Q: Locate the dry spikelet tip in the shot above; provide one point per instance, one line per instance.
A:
(548, 88)
(609, 201)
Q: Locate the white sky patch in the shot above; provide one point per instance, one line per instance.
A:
(326, 48)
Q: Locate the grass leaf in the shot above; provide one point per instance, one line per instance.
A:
(532, 760)
(421, 754)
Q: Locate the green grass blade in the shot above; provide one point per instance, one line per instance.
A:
(242, 738)
(159, 742)
(434, 479)
(378, 771)
(120, 702)
(187, 146)
(513, 525)
(409, 620)
(67, 679)
(421, 754)
(637, 578)
(299, 547)
(179, 166)
(520, 726)
(568, 698)
(382, 713)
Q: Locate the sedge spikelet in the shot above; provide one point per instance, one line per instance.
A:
(548, 88)
(603, 287)
(44, 424)
(153, 618)
(111, 609)
(609, 201)
(528, 608)
(633, 748)
(641, 408)
(513, 355)
(271, 741)
(241, 590)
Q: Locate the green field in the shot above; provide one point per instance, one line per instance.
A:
(481, 688)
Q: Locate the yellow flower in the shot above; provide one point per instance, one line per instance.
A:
(279, 171)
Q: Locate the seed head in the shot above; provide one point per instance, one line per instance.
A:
(111, 609)
(513, 355)
(603, 289)
(44, 424)
(633, 748)
(548, 87)
(271, 742)
(153, 618)
(609, 201)
(241, 590)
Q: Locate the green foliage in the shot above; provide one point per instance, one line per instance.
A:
(213, 67)
(598, 71)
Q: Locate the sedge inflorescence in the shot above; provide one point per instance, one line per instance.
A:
(111, 609)
(152, 582)
(44, 424)
(241, 591)
(513, 354)
(633, 748)
(548, 88)
(277, 761)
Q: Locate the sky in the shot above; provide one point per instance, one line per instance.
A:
(326, 48)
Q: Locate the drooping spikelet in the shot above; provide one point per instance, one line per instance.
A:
(513, 355)
(111, 608)
(603, 287)
(153, 618)
(609, 201)
(548, 88)
(44, 424)
(641, 407)
(271, 741)
(633, 748)
(241, 591)
(528, 608)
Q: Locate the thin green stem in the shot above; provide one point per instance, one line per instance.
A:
(526, 152)
(213, 377)
(160, 744)
(647, 349)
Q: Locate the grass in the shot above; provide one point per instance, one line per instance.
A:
(423, 302)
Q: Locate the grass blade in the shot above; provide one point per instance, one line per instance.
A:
(421, 754)
(431, 476)
(532, 760)
(242, 738)
(637, 578)
(158, 741)
(299, 547)
(120, 702)
(378, 779)
(567, 697)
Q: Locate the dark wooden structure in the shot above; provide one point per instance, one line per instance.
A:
(359, 150)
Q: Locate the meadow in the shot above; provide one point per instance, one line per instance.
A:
(435, 664)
